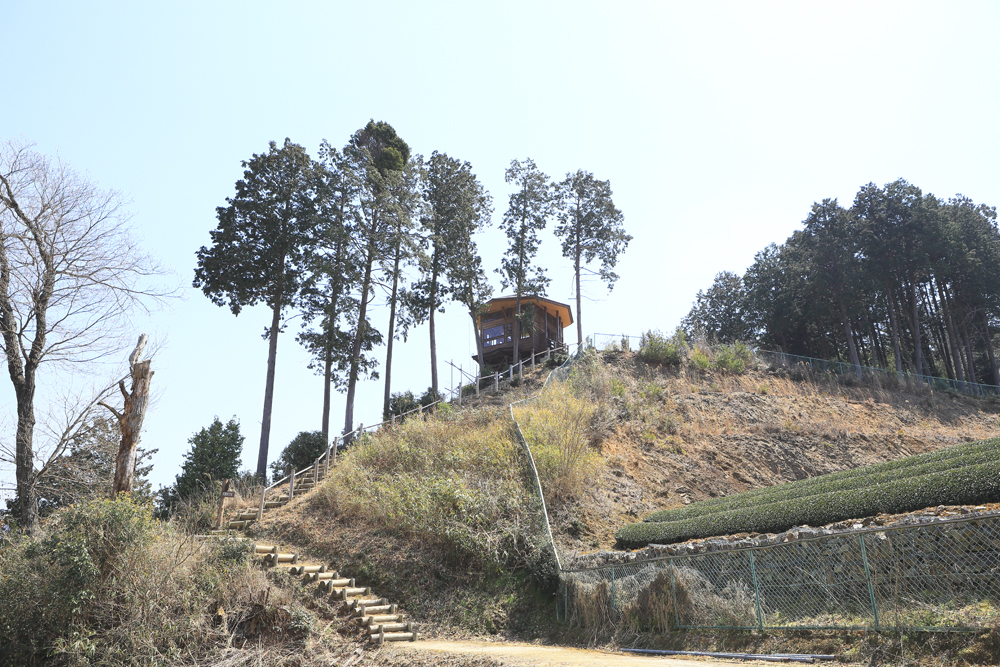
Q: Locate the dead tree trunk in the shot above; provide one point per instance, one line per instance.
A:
(131, 417)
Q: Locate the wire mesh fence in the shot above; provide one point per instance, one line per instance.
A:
(939, 577)
(626, 342)
(784, 360)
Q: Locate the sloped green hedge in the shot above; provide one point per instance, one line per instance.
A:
(966, 485)
(913, 466)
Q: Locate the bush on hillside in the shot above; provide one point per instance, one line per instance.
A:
(656, 348)
(455, 481)
(967, 485)
(941, 460)
(300, 453)
(733, 358)
(106, 584)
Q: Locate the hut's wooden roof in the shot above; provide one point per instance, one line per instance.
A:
(510, 301)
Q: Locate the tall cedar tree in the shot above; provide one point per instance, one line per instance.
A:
(529, 209)
(332, 272)
(406, 206)
(375, 158)
(457, 206)
(591, 229)
(258, 249)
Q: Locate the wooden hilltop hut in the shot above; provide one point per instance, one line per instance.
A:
(496, 328)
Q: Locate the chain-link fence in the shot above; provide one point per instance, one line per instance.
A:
(627, 342)
(781, 359)
(941, 576)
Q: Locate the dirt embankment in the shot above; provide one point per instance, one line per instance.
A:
(678, 436)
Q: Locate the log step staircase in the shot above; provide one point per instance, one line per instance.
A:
(382, 621)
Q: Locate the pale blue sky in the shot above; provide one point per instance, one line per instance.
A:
(717, 123)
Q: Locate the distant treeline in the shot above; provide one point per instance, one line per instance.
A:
(899, 280)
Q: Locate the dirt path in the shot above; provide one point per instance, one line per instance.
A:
(553, 656)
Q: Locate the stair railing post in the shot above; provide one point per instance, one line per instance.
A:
(532, 357)
(336, 444)
(496, 382)
(327, 465)
(222, 503)
(260, 507)
(291, 482)
(316, 471)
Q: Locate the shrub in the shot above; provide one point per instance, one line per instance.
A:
(700, 360)
(656, 348)
(967, 485)
(942, 460)
(733, 358)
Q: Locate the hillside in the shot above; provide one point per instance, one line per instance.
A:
(439, 514)
(673, 436)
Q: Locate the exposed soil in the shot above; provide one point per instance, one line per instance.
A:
(682, 436)
(510, 653)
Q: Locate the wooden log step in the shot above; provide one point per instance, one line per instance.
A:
(238, 525)
(392, 627)
(383, 637)
(364, 610)
(371, 602)
(264, 549)
(282, 499)
(335, 577)
(344, 593)
(274, 558)
(329, 585)
(307, 570)
(273, 504)
(246, 516)
(220, 531)
(369, 621)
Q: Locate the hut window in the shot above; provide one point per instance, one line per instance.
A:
(492, 317)
(496, 335)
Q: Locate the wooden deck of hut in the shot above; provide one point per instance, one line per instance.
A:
(496, 328)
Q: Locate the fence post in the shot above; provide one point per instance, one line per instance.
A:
(291, 482)
(222, 503)
(260, 507)
(673, 596)
(496, 381)
(612, 590)
(316, 471)
(566, 602)
(532, 357)
(868, 577)
(756, 591)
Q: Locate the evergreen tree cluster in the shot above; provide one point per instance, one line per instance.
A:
(324, 238)
(900, 280)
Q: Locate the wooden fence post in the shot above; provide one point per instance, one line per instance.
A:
(291, 483)
(222, 503)
(316, 471)
(260, 507)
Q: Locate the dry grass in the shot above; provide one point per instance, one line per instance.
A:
(456, 480)
(557, 425)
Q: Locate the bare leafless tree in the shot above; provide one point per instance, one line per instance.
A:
(70, 275)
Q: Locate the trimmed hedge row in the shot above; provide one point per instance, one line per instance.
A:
(913, 466)
(968, 485)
